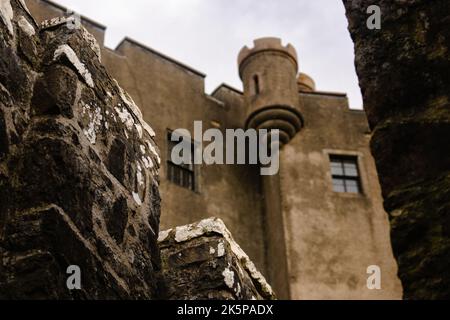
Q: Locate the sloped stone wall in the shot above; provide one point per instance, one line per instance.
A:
(78, 168)
(404, 73)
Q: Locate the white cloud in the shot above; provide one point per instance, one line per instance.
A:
(208, 35)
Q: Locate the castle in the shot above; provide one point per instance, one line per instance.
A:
(313, 229)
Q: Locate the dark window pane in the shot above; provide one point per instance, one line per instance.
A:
(336, 169)
(338, 185)
(351, 169)
(352, 186)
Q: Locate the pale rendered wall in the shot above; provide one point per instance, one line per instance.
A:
(332, 238)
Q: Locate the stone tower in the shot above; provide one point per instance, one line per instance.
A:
(269, 74)
(305, 83)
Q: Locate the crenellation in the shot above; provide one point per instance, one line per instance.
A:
(265, 45)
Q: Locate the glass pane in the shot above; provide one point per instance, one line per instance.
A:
(351, 169)
(180, 176)
(352, 186)
(336, 169)
(338, 185)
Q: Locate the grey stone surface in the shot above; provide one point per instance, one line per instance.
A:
(404, 73)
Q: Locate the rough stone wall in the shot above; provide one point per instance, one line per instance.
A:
(404, 72)
(202, 261)
(171, 96)
(78, 169)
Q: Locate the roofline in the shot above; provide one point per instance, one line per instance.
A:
(325, 93)
(162, 55)
(224, 85)
(84, 18)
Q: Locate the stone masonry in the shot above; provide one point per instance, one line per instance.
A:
(202, 261)
(78, 168)
(404, 72)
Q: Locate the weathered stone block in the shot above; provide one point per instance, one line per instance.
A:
(55, 92)
(202, 261)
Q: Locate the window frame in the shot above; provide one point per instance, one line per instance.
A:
(190, 169)
(345, 177)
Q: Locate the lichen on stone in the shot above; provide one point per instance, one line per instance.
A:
(66, 51)
(153, 151)
(92, 42)
(139, 176)
(136, 111)
(163, 235)
(26, 27)
(228, 276)
(148, 163)
(125, 117)
(215, 225)
(221, 250)
(7, 14)
(137, 199)
(95, 122)
(55, 22)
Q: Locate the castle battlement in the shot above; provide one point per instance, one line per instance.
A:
(268, 44)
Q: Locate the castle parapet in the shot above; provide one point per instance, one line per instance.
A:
(261, 45)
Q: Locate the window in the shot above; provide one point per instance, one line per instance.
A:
(257, 86)
(182, 175)
(345, 173)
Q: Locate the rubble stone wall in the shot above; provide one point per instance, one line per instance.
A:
(78, 168)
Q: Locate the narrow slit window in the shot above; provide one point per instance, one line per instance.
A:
(345, 173)
(257, 84)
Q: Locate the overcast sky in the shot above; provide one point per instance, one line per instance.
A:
(208, 34)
